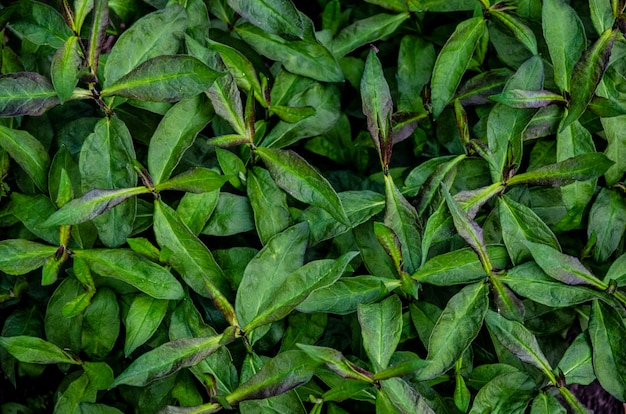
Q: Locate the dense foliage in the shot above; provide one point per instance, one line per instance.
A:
(399, 206)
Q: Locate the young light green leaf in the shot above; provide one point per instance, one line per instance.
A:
(155, 34)
(606, 328)
(520, 341)
(27, 151)
(269, 204)
(168, 359)
(519, 223)
(453, 60)
(521, 32)
(65, 68)
(175, 134)
(18, 257)
(381, 326)
(92, 204)
(142, 320)
(279, 17)
(294, 175)
(609, 207)
(579, 168)
(377, 107)
(303, 58)
(129, 267)
(164, 78)
(565, 37)
(195, 180)
(35, 350)
(587, 74)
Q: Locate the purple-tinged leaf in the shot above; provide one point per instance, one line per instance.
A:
(580, 168)
(517, 98)
(26, 93)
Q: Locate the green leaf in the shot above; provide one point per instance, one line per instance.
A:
(28, 152)
(546, 403)
(520, 341)
(562, 267)
(579, 168)
(617, 271)
(456, 328)
(35, 350)
(416, 60)
(303, 58)
(565, 37)
(576, 362)
(459, 267)
(282, 255)
(344, 296)
(232, 215)
(438, 5)
(365, 31)
(453, 60)
(294, 175)
(404, 396)
(279, 17)
(521, 32)
(66, 68)
(616, 148)
(381, 326)
(195, 209)
(510, 392)
(292, 115)
(517, 98)
(609, 207)
(64, 332)
(127, 266)
(189, 256)
(269, 204)
(101, 324)
(587, 74)
(99, 24)
(195, 180)
(155, 34)
(168, 359)
(377, 107)
(92, 204)
(142, 320)
(337, 362)
(519, 223)
(164, 78)
(606, 329)
(18, 257)
(176, 132)
(33, 211)
(298, 286)
(286, 371)
(40, 24)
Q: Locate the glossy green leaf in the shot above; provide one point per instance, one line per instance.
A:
(35, 350)
(101, 324)
(303, 58)
(520, 341)
(164, 78)
(520, 31)
(587, 74)
(546, 403)
(616, 148)
(294, 175)
(453, 60)
(127, 266)
(517, 98)
(576, 362)
(365, 31)
(609, 207)
(189, 256)
(580, 168)
(142, 320)
(298, 286)
(459, 266)
(381, 325)
(40, 24)
(510, 392)
(377, 107)
(168, 359)
(65, 68)
(195, 209)
(519, 223)
(226, 100)
(155, 34)
(175, 134)
(196, 180)
(609, 363)
(269, 204)
(274, 16)
(28, 152)
(18, 257)
(337, 362)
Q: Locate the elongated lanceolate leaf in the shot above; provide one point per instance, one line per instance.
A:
(164, 78)
(144, 317)
(99, 24)
(274, 16)
(365, 31)
(517, 98)
(587, 74)
(66, 68)
(196, 180)
(133, 269)
(453, 60)
(25, 93)
(175, 134)
(580, 168)
(269, 204)
(35, 350)
(92, 204)
(377, 106)
(337, 362)
(381, 326)
(294, 175)
(155, 34)
(168, 359)
(28, 152)
(521, 32)
(18, 257)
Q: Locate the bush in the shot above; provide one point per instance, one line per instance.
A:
(394, 206)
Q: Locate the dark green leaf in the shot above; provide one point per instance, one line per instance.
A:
(609, 207)
(65, 68)
(18, 257)
(576, 362)
(35, 350)
(617, 271)
(232, 215)
(269, 203)
(40, 24)
(616, 148)
(517, 98)
(99, 24)
(274, 16)
(405, 398)
(510, 392)
(522, 32)
(337, 362)
(101, 324)
(546, 403)
(28, 152)
(142, 320)
(381, 326)
(33, 211)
